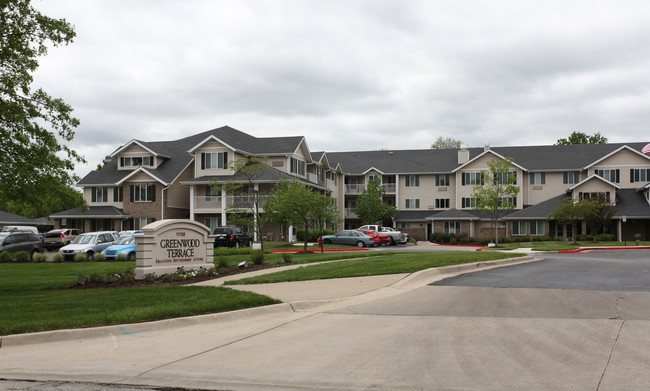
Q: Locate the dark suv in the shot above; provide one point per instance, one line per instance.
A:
(20, 241)
(231, 237)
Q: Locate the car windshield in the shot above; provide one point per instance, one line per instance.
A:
(84, 239)
(2, 238)
(6, 229)
(125, 240)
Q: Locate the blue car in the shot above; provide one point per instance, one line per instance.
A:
(353, 238)
(123, 245)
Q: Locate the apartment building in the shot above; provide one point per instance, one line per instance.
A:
(432, 188)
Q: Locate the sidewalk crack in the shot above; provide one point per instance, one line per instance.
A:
(611, 353)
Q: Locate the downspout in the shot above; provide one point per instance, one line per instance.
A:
(162, 202)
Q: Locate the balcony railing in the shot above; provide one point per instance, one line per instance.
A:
(215, 203)
(390, 188)
(354, 188)
(330, 184)
(351, 213)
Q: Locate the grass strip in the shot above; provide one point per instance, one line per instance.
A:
(394, 263)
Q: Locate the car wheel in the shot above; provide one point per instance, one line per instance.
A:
(360, 244)
(327, 241)
(90, 256)
(131, 257)
(392, 242)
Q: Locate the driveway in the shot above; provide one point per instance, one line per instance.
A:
(569, 322)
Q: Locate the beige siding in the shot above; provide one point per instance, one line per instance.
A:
(87, 195)
(623, 160)
(422, 192)
(481, 164)
(178, 196)
(135, 150)
(212, 147)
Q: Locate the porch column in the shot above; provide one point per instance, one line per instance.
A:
(192, 202)
(223, 208)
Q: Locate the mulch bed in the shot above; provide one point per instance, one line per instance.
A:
(221, 272)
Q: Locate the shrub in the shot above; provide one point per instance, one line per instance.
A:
(605, 238)
(6, 256)
(288, 257)
(452, 241)
(39, 257)
(81, 257)
(150, 277)
(99, 257)
(222, 261)
(121, 257)
(584, 238)
(558, 238)
(58, 258)
(314, 234)
(257, 257)
(22, 256)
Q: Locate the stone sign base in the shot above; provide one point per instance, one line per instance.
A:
(169, 244)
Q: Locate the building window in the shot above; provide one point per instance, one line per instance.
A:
(99, 194)
(508, 201)
(143, 193)
(471, 178)
(140, 222)
(213, 222)
(101, 225)
(320, 174)
(639, 175)
(136, 161)
(118, 193)
(214, 160)
(570, 177)
(593, 195)
(412, 203)
(537, 228)
(442, 180)
(406, 225)
(469, 202)
(519, 228)
(537, 178)
(413, 180)
(506, 178)
(442, 203)
(452, 227)
(610, 175)
(297, 166)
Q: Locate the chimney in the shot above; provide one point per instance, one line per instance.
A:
(463, 154)
(486, 147)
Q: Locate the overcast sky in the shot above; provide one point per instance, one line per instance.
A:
(352, 75)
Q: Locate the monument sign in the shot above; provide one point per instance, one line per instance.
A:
(169, 244)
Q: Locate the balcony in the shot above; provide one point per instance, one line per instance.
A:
(215, 204)
(330, 184)
(390, 188)
(354, 188)
(351, 213)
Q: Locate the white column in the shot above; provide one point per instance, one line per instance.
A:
(223, 208)
(192, 202)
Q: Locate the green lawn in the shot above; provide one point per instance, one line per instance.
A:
(32, 298)
(393, 263)
(566, 245)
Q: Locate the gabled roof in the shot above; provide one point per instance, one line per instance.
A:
(624, 147)
(631, 204)
(142, 144)
(179, 157)
(7, 218)
(593, 177)
(489, 151)
(92, 212)
(538, 211)
(453, 214)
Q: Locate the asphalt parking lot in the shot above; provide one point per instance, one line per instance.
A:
(568, 322)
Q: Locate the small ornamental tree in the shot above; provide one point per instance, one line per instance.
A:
(297, 204)
(569, 211)
(599, 212)
(494, 194)
(370, 204)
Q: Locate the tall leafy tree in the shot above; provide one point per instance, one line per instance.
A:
(297, 204)
(370, 204)
(493, 194)
(34, 126)
(445, 143)
(582, 138)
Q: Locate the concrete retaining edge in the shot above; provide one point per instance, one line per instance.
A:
(411, 281)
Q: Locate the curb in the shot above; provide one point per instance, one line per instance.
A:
(581, 249)
(411, 281)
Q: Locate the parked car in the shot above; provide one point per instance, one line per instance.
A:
(380, 238)
(89, 244)
(22, 228)
(231, 237)
(351, 237)
(20, 241)
(396, 236)
(130, 232)
(57, 238)
(125, 244)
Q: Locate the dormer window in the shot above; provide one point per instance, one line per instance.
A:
(210, 161)
(136, 161)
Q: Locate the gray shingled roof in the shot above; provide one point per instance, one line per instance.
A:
(532, 158)
(7, 218)
(180, 158)
(538, 211)
(632, 204)
(91, 212)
